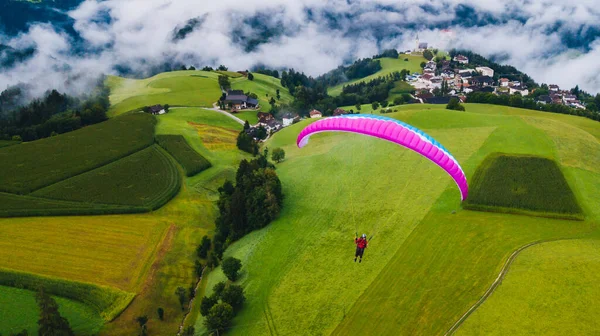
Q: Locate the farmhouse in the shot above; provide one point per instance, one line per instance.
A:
(315, 114)
(481, 81)
(503, 82)
(289, 118)
(264, 117)
(237, 100)
(544, 99)
(485, 71)
(338, 112)
(461, 59)
(553, 87)
(156, 110)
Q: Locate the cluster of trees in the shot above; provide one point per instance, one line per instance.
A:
(454, 104)
(528, 103)
(50, 321)
(224, 82)
(54, 113)
(245, 139)
(390, 53)
(252, 203)
(268, 72)
(220, 308)
(359, 69)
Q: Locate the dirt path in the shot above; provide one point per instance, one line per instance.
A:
(494, 285)
(215, 108)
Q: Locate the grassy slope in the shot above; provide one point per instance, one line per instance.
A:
(313, 239)
(191, 215)
(176, 88)
(262, 85)
(24, 313)
(551, 289)
(439, 263)
(6, 143)
(388, 65)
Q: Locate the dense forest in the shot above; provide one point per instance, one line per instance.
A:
(52, 114)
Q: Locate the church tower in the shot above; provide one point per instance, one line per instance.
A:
(417, 43)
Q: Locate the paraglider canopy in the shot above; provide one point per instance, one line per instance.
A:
(394, 131)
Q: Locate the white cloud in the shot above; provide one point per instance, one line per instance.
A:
(139, 34)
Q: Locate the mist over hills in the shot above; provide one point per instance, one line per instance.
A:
(61, 44)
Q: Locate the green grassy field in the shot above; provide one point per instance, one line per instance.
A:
(189, 159)
(429, 260)
(265, 87)
(148, 178)
(388, 65)
(37, 164)
(6, 143)
(511, 183)
(24, 313)
(176, 88)
(550, 289)
(191, 215)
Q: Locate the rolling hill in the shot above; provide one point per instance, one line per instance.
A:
(389, 65)
(429, 260)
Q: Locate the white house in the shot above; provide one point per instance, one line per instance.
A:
(461, 59)
(289, 119)
(503, 82)
(553, 87)
(315, 114)
(485, 71)
(515, 89)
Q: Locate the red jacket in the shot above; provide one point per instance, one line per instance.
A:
(360, 242)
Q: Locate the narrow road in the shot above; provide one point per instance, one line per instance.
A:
(215, 108)
(495, 284)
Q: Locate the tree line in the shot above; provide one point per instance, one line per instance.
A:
(52, 114)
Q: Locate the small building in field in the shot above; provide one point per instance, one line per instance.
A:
(289, 118)
(315, 114)
(338, 112)
(156, 110)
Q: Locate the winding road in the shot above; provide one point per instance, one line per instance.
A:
(215, 108)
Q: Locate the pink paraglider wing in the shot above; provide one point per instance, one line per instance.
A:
(395, 131)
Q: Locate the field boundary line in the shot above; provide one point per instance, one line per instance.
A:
(497, 282)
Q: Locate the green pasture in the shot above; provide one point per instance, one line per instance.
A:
(429, 260)
(550, 289)
(190, 215)
(6, 143)
(265, 87)
(176, 88)
(24, 313)
(148, 178)
(189, 159)
(534, 185)
(388, 65)
(34, 165)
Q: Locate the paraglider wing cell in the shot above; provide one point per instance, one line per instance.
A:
(395, 131)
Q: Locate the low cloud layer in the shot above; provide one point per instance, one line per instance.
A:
(554, 41)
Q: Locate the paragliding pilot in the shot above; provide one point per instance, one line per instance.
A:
(361, 245)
